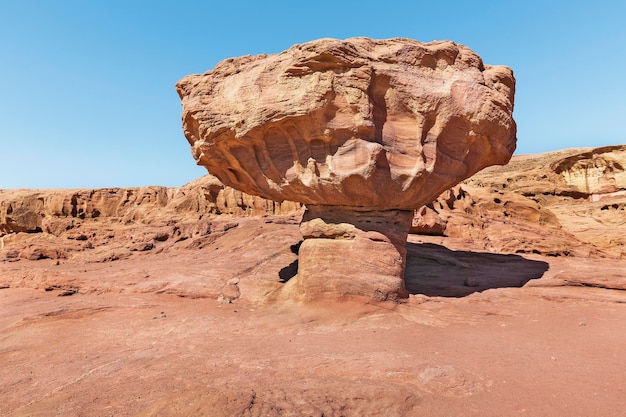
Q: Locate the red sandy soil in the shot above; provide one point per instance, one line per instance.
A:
(154, 334)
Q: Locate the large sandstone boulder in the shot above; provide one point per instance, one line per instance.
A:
(379, 124)
(370, 124)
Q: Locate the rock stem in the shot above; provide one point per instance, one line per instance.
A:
(351, 251)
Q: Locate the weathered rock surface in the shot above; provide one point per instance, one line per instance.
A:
(522, 208)
(368, 124)
(532, 205)
(596, 173)
(379, 124)
(109, 224)
(353, 252)
(37, 210)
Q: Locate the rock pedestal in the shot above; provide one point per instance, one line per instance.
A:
(350, 251)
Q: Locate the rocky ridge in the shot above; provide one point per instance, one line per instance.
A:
(564, 203)
(108, 224)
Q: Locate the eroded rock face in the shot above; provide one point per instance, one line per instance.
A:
(569, 202)
(50, 211)
(597, 172)
(361, 122)
(352, 252)
(111, 223)
(351, 127)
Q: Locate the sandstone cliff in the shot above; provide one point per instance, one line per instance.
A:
(34, 211)
(108, 224)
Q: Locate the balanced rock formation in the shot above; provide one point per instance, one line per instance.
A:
(362, 131)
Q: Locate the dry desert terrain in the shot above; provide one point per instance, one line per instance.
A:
(172, 302)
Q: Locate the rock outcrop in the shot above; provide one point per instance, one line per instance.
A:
(597, 173)
(34, 211)
(361, 124)
(564, 203)
(379, 124)
(112, 223)
(524, 207)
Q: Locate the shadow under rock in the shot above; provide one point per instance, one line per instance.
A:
(291, 270)
(288, 272)
(434, 270)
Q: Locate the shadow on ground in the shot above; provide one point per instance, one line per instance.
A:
(434, 270)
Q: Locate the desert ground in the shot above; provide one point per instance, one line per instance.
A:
(175, 302)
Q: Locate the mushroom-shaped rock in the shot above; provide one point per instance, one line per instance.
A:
(362, 131)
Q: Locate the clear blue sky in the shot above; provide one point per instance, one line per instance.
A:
(87, 94)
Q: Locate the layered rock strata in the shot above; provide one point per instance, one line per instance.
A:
(568, 202)
(349, 251)
(57, 210)
(363, 124)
